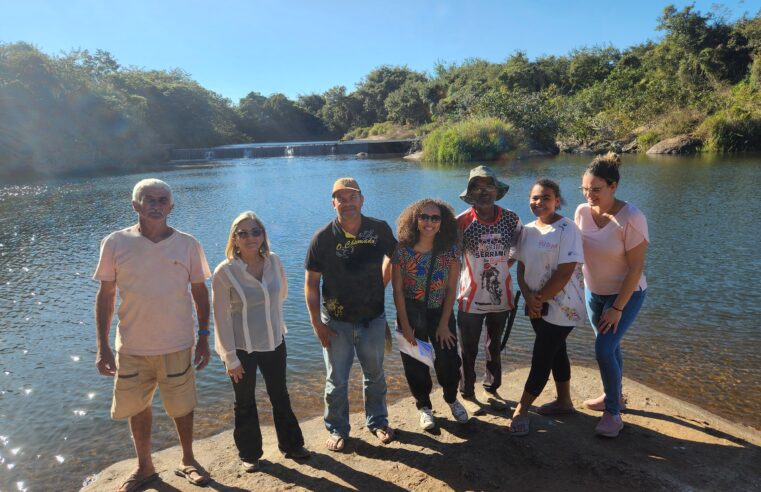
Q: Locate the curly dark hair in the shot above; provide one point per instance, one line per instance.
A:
(408, 234)
(606, 167)
(553, 185)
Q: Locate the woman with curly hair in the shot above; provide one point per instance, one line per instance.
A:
(615, 237)
(425, 273)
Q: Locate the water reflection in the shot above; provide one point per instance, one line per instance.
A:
(696, 338)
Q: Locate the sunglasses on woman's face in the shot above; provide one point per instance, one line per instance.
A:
(243, 233)
(429, 218)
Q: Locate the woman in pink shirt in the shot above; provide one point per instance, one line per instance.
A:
(615, 239)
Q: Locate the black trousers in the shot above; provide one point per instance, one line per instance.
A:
(549, 355)
(470, 325)
(446, 363)
(247, 435)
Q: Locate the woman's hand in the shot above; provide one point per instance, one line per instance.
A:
(409, 335)
(534, 303)
(445, 337)
(609, 319)
(236, 374)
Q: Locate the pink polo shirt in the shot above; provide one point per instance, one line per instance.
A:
(605, 247)
(153, 281)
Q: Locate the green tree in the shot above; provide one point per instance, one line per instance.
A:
(407, 105)
(704, 46)
(373, 90)
(588, 66)
(341, 111)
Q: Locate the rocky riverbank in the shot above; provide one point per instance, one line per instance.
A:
(667, 444)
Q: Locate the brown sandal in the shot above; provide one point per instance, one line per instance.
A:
(187, 471)
(335, 443)
(384, 434)
(135, 482)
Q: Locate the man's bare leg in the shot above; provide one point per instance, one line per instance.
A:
(184, 427)
(140, 426)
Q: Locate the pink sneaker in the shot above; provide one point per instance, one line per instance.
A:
(610, 425)
(598, 403)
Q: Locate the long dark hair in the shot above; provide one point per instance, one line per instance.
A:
(606, 167)
(409, 235)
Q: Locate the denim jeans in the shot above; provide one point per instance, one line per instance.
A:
(367, 340)
(608, 345)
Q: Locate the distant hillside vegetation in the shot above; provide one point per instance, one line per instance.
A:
(84, 112)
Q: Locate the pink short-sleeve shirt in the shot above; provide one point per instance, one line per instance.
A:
(153, 279)
(605, 247)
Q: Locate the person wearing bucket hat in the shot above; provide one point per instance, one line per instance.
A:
(489, 234)
(350, 257)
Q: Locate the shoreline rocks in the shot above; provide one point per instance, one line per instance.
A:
(681, 144)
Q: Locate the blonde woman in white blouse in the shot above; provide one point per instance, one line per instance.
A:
(248, 290)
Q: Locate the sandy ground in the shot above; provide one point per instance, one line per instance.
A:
(667, 444)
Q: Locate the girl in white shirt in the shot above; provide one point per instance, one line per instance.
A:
(549, 254)
(248, 291)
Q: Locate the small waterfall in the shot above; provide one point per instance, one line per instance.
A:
(248, 153)
(289, 151)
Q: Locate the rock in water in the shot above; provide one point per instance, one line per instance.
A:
(682, 144)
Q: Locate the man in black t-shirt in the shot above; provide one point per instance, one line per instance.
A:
(351, 255)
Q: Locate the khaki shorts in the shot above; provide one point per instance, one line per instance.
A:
(138, 375)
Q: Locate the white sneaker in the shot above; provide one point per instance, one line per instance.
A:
(426, 419)
(459, 412)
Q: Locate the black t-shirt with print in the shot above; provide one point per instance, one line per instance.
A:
(351, 268)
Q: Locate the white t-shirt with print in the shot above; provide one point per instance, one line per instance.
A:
(541, 249)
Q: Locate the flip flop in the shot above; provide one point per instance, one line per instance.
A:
(186, 471)
(520, 426)
(135, 482)
(551, 409)
(335, 443)
(384, 434)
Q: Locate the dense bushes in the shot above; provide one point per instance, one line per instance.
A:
(482, 139)
(724, 133)
(387, 129)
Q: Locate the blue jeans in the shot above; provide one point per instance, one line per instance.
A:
(608, 345)
(368, 341)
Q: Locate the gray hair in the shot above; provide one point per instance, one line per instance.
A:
(137, 191)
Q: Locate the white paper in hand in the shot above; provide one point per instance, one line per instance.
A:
(423, 351)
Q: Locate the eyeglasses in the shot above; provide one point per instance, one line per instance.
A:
(243, 234)
(595, 190)
(429, 218)
(484, 189)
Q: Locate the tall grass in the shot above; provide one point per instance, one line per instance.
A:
(482, 139)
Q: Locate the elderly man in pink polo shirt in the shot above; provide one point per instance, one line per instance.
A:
(151, 265)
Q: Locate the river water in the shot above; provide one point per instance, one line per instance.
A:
(697, 337)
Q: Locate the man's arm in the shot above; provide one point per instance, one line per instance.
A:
(201, 299)
(312, 294)
(386, 271)
(104, 313)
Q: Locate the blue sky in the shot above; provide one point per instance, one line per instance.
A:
(234, 47)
